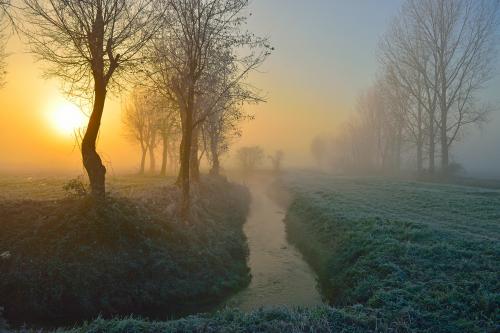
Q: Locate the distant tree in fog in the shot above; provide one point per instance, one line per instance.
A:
(442, 53)
(249, 158)
(277, 161)
(406, 64)
(319, 150)
(169, 130)
(90, 45)
(141, 121)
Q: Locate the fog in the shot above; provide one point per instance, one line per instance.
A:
(325, 57)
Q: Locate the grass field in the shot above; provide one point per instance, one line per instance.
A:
(426, 257)
(391, 256)
(51, 188)
(65, 259)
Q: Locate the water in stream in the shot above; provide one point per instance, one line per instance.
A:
(280, 276)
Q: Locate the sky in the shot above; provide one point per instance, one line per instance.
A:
(325, 55)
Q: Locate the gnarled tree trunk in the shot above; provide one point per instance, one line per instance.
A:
(91, 159)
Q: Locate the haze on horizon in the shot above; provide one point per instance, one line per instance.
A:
(325, 55)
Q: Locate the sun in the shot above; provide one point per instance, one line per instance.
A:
(66, 117)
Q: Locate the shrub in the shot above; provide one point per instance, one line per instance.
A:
(75, 188)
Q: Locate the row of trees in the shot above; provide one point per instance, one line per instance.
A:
(435, 59)
(187, 60)
(251, 158)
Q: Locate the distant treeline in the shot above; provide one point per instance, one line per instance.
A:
(434, 60)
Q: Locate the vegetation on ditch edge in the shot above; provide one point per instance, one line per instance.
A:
(415, 276)
(69, 259)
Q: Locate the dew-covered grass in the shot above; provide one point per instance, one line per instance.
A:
(67, 259)
(426, 257)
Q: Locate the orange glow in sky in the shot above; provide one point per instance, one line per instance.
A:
(66, 118)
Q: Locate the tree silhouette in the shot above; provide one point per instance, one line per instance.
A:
(90, 45)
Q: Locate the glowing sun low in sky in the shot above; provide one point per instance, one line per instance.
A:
(66, 117)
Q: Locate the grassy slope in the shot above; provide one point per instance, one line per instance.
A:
(279, 320)
(71, 260)
(425, 256)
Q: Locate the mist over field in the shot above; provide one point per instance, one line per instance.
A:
(249, 166)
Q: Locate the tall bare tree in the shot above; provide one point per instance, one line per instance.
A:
(188, 54)
(90, 45)
(135, 121)
(169, 128)
(459, 36)
(408, 67)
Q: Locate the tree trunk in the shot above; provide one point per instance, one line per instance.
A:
(91, 159)
(444, 117)
(152, 157)
(215, 170)
(195, 163)
(184, 168)
(444, 144)
(420, 139)
(399, 148)
(420, 165)
(164, 159)
(432, 145)
(185, 156)
(172, 158)
(143, 160)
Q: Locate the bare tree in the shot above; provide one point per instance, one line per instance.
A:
(169, 128)
(373, 139)
(135, 122)
(249, 158)
(277, 161)
(218, 130)
(459, 37)
(90, 45)
(188, 54)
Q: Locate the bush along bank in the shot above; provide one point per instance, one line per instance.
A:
(413, 276)
(71, 260)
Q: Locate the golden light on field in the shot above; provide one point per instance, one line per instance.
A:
(66, 117)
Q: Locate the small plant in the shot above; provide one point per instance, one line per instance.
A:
(75, 188)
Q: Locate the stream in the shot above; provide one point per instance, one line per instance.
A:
(280, 276)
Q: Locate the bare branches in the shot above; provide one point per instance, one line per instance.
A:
(81, 40)
(440, 53)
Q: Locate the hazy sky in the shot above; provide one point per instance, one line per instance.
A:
(325, 55)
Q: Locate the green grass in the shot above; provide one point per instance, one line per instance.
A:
(51, 188)
(425, 257)
(72, 260)
(272, 320)
(392, 256)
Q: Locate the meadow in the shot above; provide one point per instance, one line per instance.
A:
(421, 256)
(390, 256)
(65, 259)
